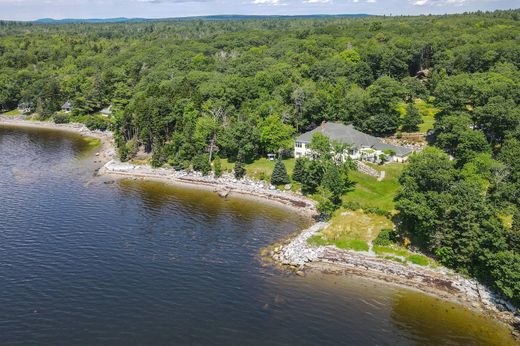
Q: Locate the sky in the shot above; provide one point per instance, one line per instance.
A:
(34, 9)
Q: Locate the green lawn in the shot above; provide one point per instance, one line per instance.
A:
(260, 169)
(369, 192)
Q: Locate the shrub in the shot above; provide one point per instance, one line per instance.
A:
(61, 118)
(418, 259)
(385, 237)
(126, 150)
(157, 157)
(377, 211)
(352, 205)
(97, 123)
(122, 152)
(217, 167)
(176, 163)
(239, 170)
(201, 163)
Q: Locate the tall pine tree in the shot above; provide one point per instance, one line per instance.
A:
(299, 169)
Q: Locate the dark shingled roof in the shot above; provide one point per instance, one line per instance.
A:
(349, 135)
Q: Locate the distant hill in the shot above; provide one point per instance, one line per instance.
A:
(88, 20)
(215, 17)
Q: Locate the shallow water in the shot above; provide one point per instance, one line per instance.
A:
(84, 262)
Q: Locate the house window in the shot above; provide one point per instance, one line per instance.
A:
(299, 145)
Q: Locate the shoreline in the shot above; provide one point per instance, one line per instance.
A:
(294, 252)
(226, 186)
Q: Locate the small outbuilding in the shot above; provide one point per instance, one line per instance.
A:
(67, 107)
(106, 112)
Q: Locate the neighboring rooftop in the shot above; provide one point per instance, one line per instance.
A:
(349, 135)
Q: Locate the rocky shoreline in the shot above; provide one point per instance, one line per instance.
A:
(296, 253)
(225, 186)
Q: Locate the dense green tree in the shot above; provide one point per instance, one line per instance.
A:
(201, 163)
(299, 168)
(412, 119)
(312, 177)
(217, 167)
(239, 170)
(336, 181)
(275, 136)
(279, 176)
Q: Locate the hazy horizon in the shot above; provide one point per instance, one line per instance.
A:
(28, 10)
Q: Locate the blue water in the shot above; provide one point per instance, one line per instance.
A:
(90, 262)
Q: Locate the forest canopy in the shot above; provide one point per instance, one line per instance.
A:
(191, 91)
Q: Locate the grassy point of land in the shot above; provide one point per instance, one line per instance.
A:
(351, 230)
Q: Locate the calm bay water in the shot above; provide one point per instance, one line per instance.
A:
(141, 263)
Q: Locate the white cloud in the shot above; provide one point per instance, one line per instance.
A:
(437, 2)
(317, 1)
(269, 2)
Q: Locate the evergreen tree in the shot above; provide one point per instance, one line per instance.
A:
(279, 176)
(217, 167)
(412, 119)
(201, 164)
(239, 170)
(514, 233)
(157, 157)
(299, 169)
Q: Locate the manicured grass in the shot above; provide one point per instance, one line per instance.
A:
(369, 192)
(260, 169)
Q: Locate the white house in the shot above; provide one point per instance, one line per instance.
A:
(362, 146)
